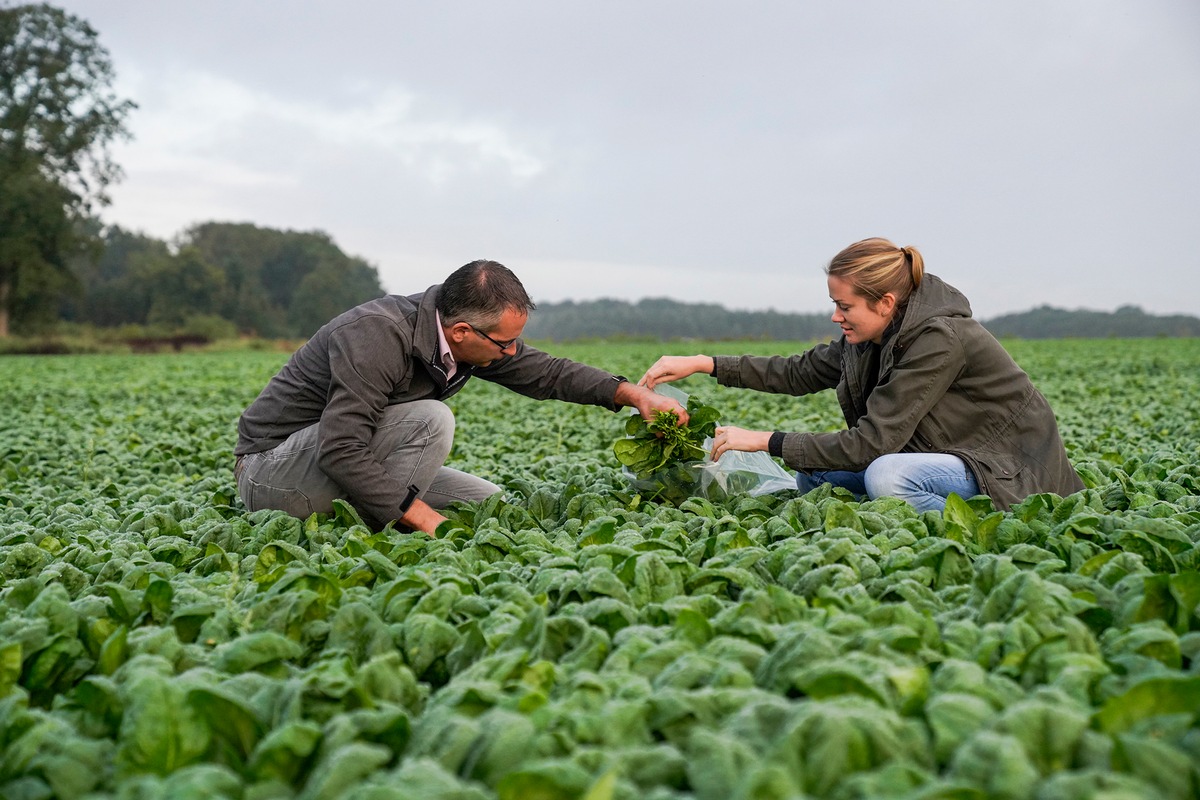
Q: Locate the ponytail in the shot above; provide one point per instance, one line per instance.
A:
(876, 266)
(916, 264)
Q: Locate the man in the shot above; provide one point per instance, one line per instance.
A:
(358, 411)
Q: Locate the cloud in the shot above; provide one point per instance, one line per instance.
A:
(213, 146)
(723, 155)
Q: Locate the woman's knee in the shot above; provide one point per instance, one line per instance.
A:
(886, 477)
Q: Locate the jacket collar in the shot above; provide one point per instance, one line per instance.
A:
(426, 346)
(425, 327)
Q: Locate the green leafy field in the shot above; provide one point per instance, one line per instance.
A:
(575, 641)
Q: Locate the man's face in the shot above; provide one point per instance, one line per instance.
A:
(480, 347)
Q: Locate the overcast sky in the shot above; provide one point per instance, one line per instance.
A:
(1036, 151)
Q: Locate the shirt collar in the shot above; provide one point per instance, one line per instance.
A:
(447, 358)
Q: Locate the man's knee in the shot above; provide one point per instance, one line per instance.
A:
(431, 420)
(437, 417)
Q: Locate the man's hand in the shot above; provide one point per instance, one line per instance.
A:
(647, 402)
(422, 517)
(675, 368)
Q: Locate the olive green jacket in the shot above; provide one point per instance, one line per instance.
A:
(944, 385)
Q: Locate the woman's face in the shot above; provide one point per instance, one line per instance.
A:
(860, 320)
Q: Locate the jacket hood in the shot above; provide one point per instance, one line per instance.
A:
(933, 298)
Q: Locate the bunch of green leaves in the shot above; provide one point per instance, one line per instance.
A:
(661, 442)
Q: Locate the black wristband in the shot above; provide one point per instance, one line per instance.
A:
(407, 502)
(775, 444)
(714, 371)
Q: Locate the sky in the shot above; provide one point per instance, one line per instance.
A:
(1037, 152)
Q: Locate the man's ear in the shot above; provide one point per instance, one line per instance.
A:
(457, 332)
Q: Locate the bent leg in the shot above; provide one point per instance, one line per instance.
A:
(288, 478)
(411, 442)
(851, 481)
(451, 485)
(414, 440)
(924, 480)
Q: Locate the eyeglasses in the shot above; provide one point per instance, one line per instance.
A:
(501, 345)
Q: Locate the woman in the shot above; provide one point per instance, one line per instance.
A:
(933, 403)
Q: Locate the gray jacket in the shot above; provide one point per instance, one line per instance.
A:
(382, 353)
(940, 383)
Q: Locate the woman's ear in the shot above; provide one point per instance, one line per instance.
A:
(886, 305)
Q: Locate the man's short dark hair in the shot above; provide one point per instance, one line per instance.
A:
(479, 293)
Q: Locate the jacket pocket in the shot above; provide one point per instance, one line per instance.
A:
(999, 467)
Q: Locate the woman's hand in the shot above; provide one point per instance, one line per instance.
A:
(674, 368)
(731, 438)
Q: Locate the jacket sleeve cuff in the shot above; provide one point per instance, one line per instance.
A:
(775, 444)
(725, 370)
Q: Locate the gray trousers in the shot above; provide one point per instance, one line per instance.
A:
(411, 444)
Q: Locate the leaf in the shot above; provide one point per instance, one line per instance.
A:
(599, 531)
(704, 415)
(427, 640)
(640, 455)
(840, 515)
(604, 788)
(543, 506)
(996, 763)
(953, 717)
(10, 667)
(359, 632)
(284, 752)
(253, 651)
(346, 515)
(159, 731)
(158, 599)
(231, 719)
(1171, 598)
(1049, 732)
(114, 652)
(1173, 694)
(344, 767)
(653, 580)
(552, 780)
(957, 511)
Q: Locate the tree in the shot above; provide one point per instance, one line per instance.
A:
(282, 283)
(331, 288)
(117, 285)
(187, 286)
(58, 114)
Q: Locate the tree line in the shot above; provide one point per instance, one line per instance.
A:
(238, 277)
(664, 319)
(260, 281)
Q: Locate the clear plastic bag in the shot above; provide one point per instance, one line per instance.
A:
(735, 473)
(738, 471)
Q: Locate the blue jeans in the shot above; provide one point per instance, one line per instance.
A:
(924, 480)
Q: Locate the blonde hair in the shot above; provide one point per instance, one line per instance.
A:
(875, 267)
